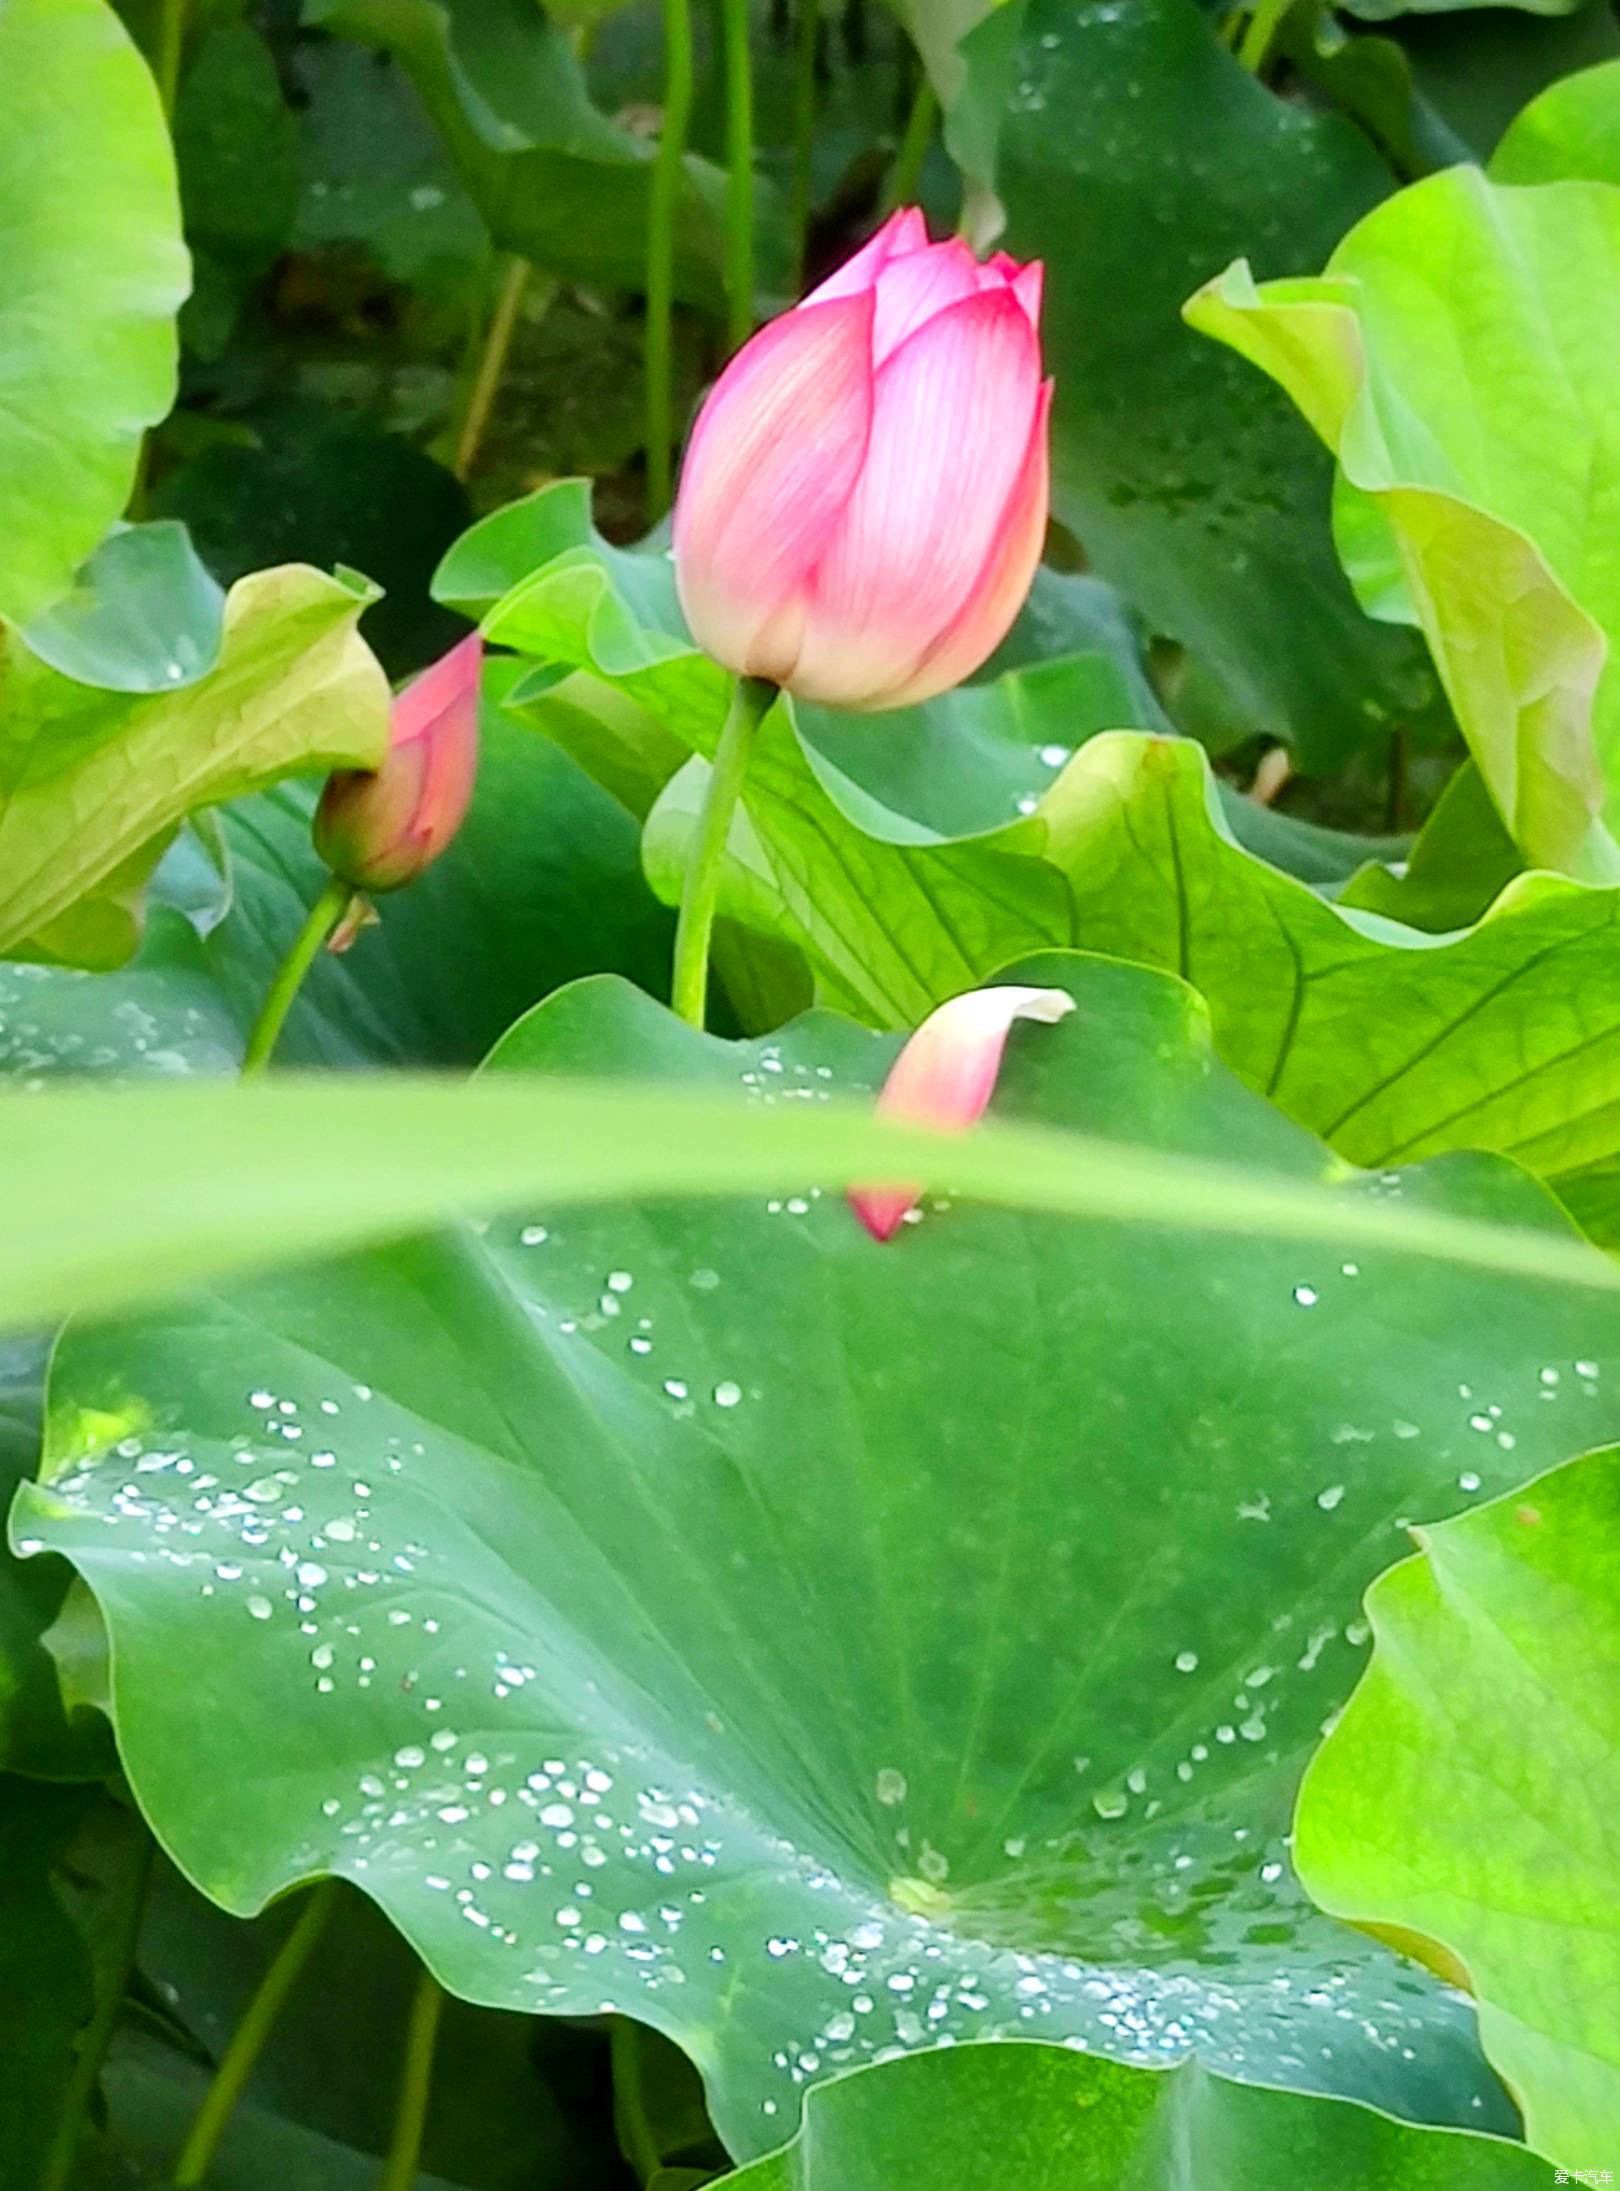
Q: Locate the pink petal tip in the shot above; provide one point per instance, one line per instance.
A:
(946, 1075)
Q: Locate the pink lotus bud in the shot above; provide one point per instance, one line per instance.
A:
(378, 828)
(945, 1076)
(864, 499)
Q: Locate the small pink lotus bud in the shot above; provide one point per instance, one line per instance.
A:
(864, 499)
(945, 1076)
(378, 828)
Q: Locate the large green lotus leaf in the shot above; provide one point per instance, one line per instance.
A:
(93, 783)
(1039, 2118)
(1468, 1803)
(698, 1610)
(1487, 492)
(554, 178)
(1389, 1042)
(95, 272)
(1134, 130)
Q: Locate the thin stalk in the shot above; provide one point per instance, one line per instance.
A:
(665, 197)
(171, 38)
(62, 2159)
(492, 358)
(1262, 26)
(739, 172)
(248, 2040)
(806, 56)
(700, 893)
(415, 2085)
(322, 917)
(901, 188)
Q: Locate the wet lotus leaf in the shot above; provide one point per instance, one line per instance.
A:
(810, 1648)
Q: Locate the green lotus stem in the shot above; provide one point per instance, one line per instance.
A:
(415, 2085)
(492, 358)
(1262, 26)
(906, 172)
(322, 917)
(171, 38)
(806, 54)
(739, 172)
(666, 188)
(700, 893)
(248, 2040)
(61, 2161)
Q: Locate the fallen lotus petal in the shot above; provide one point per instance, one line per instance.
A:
(946, 1075)
(379, 828)
(864, 499)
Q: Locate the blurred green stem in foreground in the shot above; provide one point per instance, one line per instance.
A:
(415, 2085)
(322, 917)
(806, 59)
(236, 2064)
(739, 173)
(492, 355)
(906, 173)
(666, 185)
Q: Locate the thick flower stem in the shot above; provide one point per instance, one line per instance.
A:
(323, 916)
(739, 173)
(701, 891)
(248, 2040)
(404, 2160)
(666, 189)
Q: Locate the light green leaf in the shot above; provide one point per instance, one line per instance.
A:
(94, 274)
(761, 1631)
(1462, 860)
(1571, 132)
(1037, 2118)
(1489, 487)
(1468, 1803)
(93, 783)
(143, 615)
(1132, 153)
